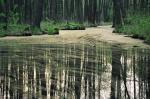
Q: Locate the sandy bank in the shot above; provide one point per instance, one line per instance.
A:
(101, 33)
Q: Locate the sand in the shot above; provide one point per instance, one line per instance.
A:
(92, 34)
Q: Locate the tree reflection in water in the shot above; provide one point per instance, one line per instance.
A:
(74, 71)
(116, 73)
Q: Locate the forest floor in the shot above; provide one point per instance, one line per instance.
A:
(92, 35)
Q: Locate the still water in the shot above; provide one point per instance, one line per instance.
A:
(74, 71)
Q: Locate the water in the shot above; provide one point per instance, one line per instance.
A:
(74, 71)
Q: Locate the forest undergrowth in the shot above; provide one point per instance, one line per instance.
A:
(47, 27)
(136, 26)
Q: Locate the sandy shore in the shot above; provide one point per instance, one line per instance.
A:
(101, 33)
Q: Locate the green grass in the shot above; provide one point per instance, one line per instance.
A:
(137, 26)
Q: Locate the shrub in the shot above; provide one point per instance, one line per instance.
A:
(52, 31)
(45, 25)
(36, 31)
(73, 26)
(2, 33)
(14, 30)
(50, 28)
(137, 26)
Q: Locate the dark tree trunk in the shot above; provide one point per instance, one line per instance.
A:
(92, 11)
(135, 5)
(38, 12)
(6, 15)
(28, 12)
(59, 11)
(79, 11)
(116, 73)
(117, 13)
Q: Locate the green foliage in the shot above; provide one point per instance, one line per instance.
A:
(73, 26)
(148, 39)
(137, 26)
(50, 27)
(62, 25)
(2, 2)
(17, 28)
(2, 33)
(46, 24)
(36, 31)
(13, 30)
(52, 30)
(13, 16)
(47, 27)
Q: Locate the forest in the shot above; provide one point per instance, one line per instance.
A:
(33, 14)
(32, 17)
(74, 49)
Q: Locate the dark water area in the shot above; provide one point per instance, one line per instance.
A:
(74, 71)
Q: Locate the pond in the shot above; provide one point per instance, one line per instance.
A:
(74, 71)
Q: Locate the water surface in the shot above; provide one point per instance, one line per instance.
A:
(74, 71)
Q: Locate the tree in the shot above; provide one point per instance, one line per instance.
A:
(28, 12)
(117, 13)
(38, 12)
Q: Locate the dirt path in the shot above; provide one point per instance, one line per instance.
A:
(101, 33)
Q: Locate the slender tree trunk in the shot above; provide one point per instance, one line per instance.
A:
(38, 12)
(28, 12)
(117, 13)
(6, 15)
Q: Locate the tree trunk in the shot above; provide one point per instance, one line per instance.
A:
(117, 13)
(38, 12)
